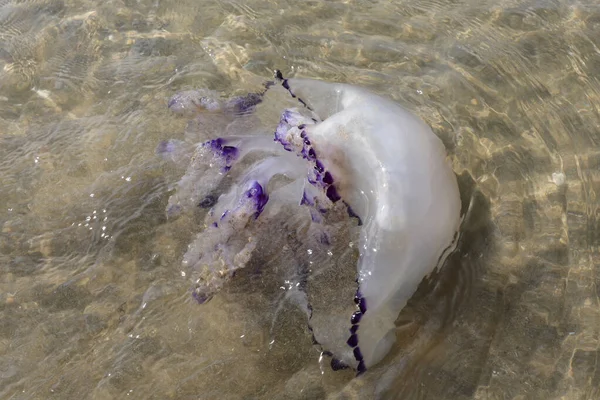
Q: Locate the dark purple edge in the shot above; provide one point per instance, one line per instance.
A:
(353, 341)
(333, 195)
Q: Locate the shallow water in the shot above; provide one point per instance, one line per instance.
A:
(93, 303)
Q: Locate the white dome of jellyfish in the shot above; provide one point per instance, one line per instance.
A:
(342, 147)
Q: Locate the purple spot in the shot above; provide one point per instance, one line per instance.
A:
(352, 341)
(361, 368)
(332, 194)
(302, 126)
(208, 201)
(245, 104)
(286, 116)
(327, 178)
(353, 329)
(352, 214)
(356, 317)
(315, 217)
(309, 155)
(228, 153)
(357, 354)
(362, 305)
(201, 298)
(215, 225)
(166, 146)
(337, 365)
(174, 209)
(306, 141)
(319, 166)
(306, 201)
(324, 239)
(257, 194)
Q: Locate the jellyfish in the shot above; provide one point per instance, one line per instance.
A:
(339, 147)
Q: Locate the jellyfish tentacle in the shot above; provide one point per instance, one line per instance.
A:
(226, 245)
(219, 154)
(190, 102)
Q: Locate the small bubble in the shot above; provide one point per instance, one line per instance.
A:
(128, 179)
(91, 194)
(309, 251)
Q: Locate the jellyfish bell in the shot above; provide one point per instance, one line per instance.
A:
(341, 145)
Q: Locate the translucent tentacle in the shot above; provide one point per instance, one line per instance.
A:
(261, 172)
(211, 161)
(174, 151)
(226, 245)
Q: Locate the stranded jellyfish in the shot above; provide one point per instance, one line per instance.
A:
(340, 146)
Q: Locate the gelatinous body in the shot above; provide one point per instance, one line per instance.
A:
(341, 145)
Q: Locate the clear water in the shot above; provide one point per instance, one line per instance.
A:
(92, 301)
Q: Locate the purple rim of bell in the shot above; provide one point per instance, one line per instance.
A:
(361, 304)
(286, 85)
(352, 214)
(318, 176)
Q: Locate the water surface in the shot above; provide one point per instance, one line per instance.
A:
(93, 304)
